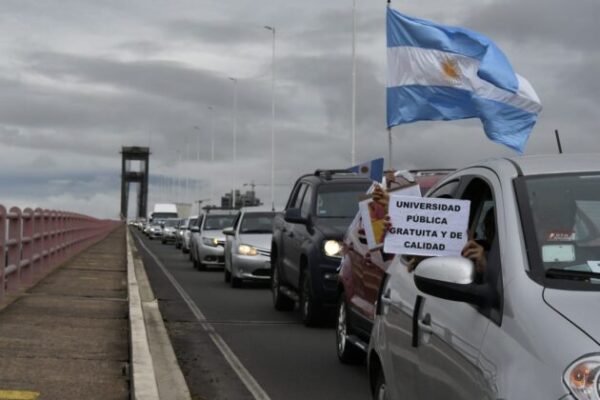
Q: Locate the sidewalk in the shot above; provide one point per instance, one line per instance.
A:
(68, 337)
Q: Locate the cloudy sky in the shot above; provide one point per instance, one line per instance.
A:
(81, 78)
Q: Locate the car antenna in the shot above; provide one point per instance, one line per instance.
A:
(560, 150)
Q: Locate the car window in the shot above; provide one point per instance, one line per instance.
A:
(297, 200)
(257, 223)
(306, 208)
(218, 222)
(447, 190)
(236, 221)
(483, 230)
(564, 231)
(339, 200)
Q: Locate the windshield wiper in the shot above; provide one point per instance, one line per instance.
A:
(557, 273)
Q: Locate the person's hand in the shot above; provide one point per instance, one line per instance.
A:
(381, 196)
(476, 253)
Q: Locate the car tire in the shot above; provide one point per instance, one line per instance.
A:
(310, 311)
(236, 283)
(380, 392)
(227, 276)
(163, 241)
(347, 352)
(280, 301)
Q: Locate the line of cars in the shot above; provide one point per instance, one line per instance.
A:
(524, 326)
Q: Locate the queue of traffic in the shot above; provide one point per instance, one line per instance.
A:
(518, 322)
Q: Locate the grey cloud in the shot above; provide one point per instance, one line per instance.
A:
(215, 32)
(571, 24)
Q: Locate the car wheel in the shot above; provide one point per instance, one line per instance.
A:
(380, 392)
(227, 276)
(163, 241)
(280, 301)
(347, 352)
(310, 310)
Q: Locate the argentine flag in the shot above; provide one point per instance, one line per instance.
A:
(372, 169)
(437, 72)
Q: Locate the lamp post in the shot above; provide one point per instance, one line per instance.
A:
(197, 129)
(272, 29)
(234, 80)
(212, 151)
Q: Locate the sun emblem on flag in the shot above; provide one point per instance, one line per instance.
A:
(364, 169)
(451, 70)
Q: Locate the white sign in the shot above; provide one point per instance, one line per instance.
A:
(373, 216)
(427, 226)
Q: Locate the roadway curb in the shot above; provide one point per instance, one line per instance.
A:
(158, 373)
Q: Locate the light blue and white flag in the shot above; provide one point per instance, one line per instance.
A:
(437, 72)
(372, 169)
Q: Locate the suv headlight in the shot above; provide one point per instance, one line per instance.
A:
(246, 250)
(583, 378)
(212, 242)
(332, 248)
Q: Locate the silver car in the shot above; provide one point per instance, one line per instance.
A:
(248, 246)
(524, 324)
(169, 230)
(208, 239)
(186, 233)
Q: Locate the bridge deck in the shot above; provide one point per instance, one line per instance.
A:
(68, 337)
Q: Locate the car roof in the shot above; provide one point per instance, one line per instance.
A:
(335, 178)
(221, 212)
(543, 164)
(257, 209)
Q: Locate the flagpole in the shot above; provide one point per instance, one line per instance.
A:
(353, 154)
(390, 163)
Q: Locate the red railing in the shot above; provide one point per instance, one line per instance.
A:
(32, 242)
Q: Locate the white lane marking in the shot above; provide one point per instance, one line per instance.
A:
(251, 384)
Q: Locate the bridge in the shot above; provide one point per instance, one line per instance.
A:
(91, 309)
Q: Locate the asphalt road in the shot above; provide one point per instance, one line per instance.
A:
(286, 359)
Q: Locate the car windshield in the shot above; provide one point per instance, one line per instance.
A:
(218, 222)
(257, 223)
(565, 211)
(339, 201)
(192, 222)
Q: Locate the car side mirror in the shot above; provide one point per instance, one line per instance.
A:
(194, 229)
(229, 232)
(294, 216)
(450, 278)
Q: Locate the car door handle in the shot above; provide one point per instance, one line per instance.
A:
(425, 324)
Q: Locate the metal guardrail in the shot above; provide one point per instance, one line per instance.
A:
(33, 242)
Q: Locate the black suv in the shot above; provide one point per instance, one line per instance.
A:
(307, 241)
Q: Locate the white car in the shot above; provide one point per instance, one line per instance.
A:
(523, 322)
(208, 240)
(248, 246)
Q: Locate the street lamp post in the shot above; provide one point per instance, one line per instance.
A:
(197, 184)
(212, 151)
(234, 80)
(273, 71)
